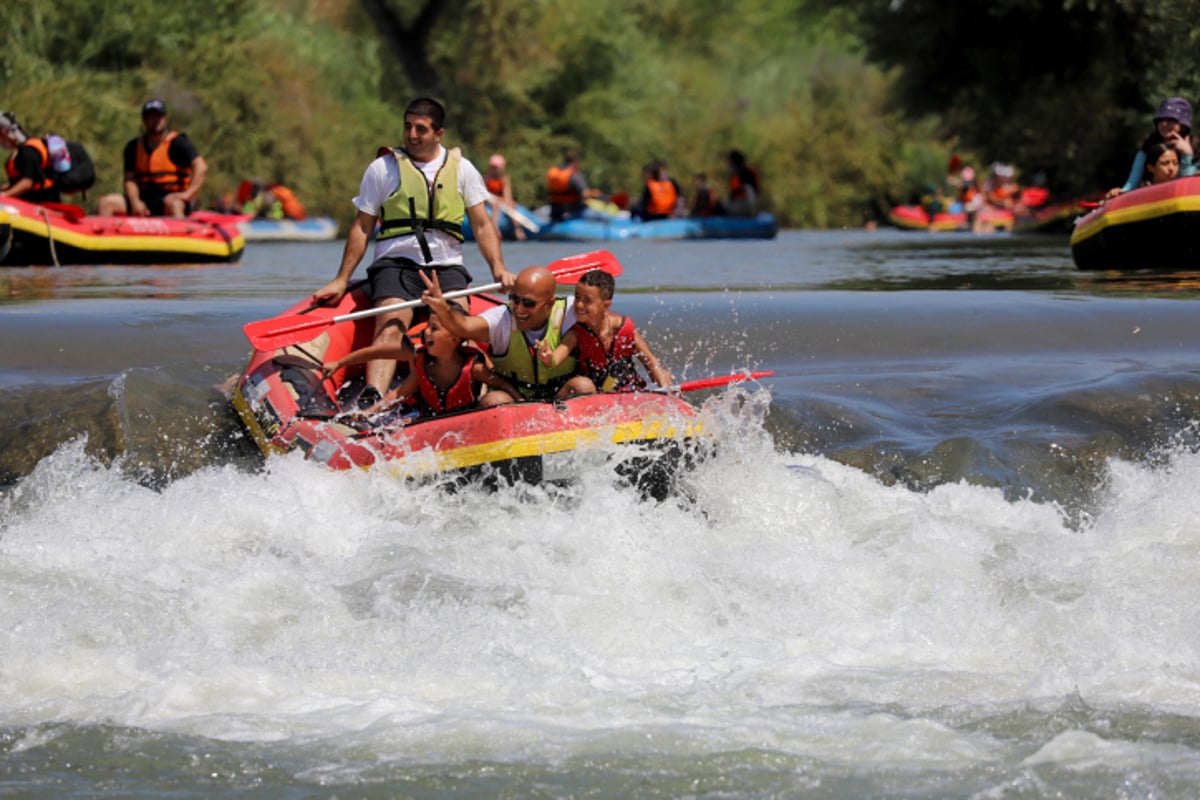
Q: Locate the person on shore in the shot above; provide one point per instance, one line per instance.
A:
(743, 187)
(446, 375)
(28, 172)
(568, 188)
(419, 195)
(163, 171)
(515, 331)
(607, 346)
(499, 186)
(1173, 126)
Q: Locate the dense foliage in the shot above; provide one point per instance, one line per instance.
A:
(1065, 86)
(305, 91)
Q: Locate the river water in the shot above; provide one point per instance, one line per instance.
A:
(948, 550)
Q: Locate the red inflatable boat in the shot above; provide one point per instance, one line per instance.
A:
(55, 234)
(286, 405)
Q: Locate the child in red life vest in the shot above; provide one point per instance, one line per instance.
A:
(606, 344)
(447, 375)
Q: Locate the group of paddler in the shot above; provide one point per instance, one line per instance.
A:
(539, 346)
(163, 173)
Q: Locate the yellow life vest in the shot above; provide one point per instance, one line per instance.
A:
(416, 206)
(520, 363)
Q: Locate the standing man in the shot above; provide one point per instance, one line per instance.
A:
(27, 171)
(163, 171)
(419, 194)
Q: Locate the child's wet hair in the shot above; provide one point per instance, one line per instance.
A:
(455, 308)
(601, 280)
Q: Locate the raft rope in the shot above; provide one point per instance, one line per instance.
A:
(49, 235)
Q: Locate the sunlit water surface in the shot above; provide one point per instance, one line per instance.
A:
(948, 550)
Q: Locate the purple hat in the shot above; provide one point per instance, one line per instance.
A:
(1175, 108)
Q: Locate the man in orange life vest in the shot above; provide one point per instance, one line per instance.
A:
(568, 188)
(661, 196)
(27, 170)
(163, 171)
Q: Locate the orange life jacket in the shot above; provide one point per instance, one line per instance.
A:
(495, 186)
(740, 180)
(47, 181)
(662, 197)
(155, 168)
(558, 181)
(292, 207)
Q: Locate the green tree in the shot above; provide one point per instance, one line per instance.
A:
(1067, 86)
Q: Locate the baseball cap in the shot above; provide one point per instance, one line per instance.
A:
(154, 106)
(496, 161)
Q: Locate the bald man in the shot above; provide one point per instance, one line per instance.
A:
(533, 314)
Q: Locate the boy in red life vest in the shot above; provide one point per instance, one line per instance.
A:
(606, 344)
(446, 375)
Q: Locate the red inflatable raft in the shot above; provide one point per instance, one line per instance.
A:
(286, 405)
(916, 218)
(56, 234)
(1152, 227)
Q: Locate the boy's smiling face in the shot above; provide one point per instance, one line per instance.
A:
(590, 307)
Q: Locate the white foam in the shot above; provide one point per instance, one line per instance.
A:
(798, 604)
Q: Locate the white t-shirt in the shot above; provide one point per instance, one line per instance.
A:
(382, 178)
(499, 322)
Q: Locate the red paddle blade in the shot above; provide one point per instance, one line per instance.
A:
(284, 331)
(724, 380)
(72, 212)
(570, 269)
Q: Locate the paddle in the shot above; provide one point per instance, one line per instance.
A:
(282, 331)
(517, 215)
(724, 380)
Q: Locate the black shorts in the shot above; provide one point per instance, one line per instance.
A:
(400, 278)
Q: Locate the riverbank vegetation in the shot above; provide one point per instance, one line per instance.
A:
(845, 108)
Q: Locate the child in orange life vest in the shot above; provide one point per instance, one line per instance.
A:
(447, 375)
(606, 344)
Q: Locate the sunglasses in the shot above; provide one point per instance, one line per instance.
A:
(517, 300)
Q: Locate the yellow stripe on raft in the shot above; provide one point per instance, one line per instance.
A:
(429, 461)
(213, 245)
(1136, 213)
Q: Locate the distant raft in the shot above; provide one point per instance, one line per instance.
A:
(595, 227)
(54, 234)
(916, 218)
(1152, 227)
(310, 229)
